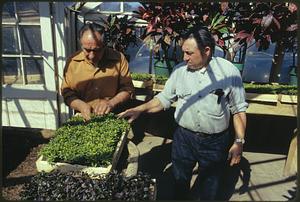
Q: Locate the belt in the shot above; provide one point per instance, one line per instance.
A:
(207, 134)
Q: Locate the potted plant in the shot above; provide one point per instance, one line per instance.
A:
(270, 23)
(166, 23)
(230, 35)
(119, 32)
(141, 80)
(159, 82)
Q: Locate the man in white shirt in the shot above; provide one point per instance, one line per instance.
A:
(207, 90)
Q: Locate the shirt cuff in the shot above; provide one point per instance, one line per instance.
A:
(239, 108)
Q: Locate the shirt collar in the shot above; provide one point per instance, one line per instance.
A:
(201, 71)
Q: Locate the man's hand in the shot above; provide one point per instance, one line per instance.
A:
(132, 113)
(82, 107)
(102, 106)
(235, 153)
(85, 111)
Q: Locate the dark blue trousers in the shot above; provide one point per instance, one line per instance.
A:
(210, 151)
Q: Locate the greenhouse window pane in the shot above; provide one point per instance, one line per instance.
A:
(31, 39)
(10, 71)
(9, 40)
(34, 71)
(8, 12)
(131, 6)
(110, 6)
(28, 11)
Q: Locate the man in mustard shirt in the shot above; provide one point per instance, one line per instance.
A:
(96, 78)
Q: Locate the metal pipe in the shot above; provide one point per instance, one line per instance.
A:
(56, 76)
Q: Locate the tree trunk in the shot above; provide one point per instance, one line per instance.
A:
(277, 62)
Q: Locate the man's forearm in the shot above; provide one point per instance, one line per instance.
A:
(77, 104)
(239, 122)
(152, 106)
(121, 97)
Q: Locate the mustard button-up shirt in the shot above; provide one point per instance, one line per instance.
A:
(82, 80)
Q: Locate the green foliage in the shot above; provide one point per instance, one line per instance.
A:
(270, 89)
(119, 32)
(90, 143)
(141, 76)
(160, 79)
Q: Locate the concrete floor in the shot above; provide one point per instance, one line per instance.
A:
(259, 177)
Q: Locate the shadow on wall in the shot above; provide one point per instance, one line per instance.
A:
(20, 104)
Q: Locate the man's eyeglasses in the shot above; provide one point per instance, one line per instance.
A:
(90, 50)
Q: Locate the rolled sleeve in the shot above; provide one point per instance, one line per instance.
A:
(168, 95)
(164, 100)
(239, 108)
(237, 97)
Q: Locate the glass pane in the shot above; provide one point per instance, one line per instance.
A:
(8, 12)
(131, 6)
(110, 6)
(34, 71)
(28, 11)
(31, 39)
(10, 71)
(9, 40)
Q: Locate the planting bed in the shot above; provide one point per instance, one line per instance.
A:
(20, 151)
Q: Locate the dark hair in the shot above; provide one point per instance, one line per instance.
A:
(202, 36)
(93, 27)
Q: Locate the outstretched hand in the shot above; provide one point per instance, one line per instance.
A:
(132, 114)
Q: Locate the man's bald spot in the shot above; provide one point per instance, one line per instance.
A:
(89, 34)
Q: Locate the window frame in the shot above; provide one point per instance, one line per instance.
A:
(17, 25)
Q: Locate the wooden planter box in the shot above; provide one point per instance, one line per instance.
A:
(272, 104)
(142, 84)
(272, 98)
(45, 166)
(289, 99)
(158, 87)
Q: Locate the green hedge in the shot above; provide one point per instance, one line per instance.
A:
(90, 143)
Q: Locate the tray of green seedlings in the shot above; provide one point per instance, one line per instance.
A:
(141, 80)
(159, 82)
(92, 146)
(78, 186)
(270, 89)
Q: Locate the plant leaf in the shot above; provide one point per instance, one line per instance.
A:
(224, 30)
(214, 19)
(219, 20)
